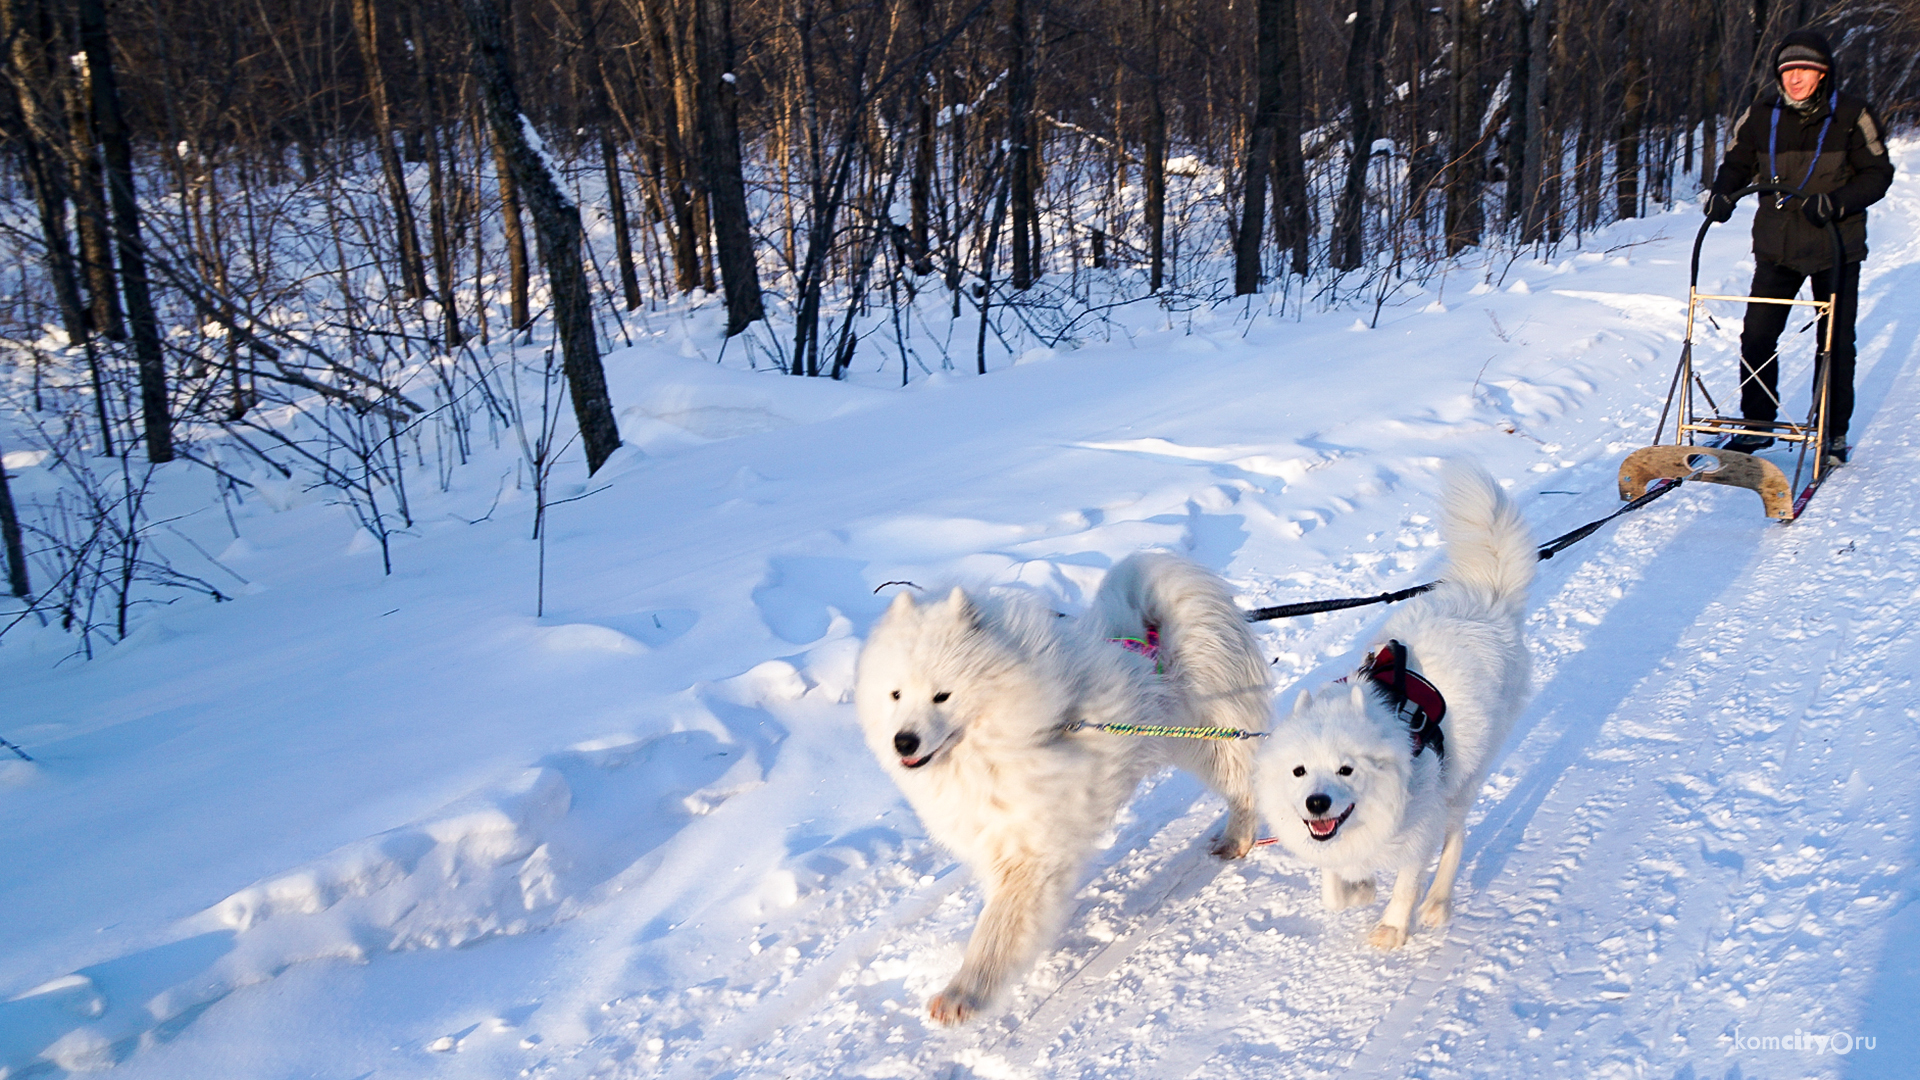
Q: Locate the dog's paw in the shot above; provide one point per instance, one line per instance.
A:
(1339, 894)
(1436, 912)
(955, 1006)
(1387, 937)
(1231, 846)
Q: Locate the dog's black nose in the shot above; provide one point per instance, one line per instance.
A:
(1316, 804)
(906, 742)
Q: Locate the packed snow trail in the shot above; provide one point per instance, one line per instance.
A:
(1651, 862)
(1618, 927)
(256, 833)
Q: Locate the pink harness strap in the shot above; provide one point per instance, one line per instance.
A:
(1147, 646)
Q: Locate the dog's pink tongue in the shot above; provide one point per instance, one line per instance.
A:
(1323, 828)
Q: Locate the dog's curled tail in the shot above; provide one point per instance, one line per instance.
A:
(1489, 547)
(1209, 649)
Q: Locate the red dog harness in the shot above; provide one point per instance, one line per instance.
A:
(1418, 701)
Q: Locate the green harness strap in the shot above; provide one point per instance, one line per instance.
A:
(1166, 731)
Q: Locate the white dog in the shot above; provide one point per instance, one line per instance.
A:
(982, 709)
(1380, 771)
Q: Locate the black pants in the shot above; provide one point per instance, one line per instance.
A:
(1759, 362)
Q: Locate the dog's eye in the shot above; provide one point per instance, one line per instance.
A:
(941, 697)
(1346, 770)
(896, 695)
(1299, 770)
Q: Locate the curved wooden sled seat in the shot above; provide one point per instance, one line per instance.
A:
(1715, 466)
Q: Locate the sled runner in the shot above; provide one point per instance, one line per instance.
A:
(1696, 452)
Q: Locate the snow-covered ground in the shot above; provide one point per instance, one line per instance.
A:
(359, 826)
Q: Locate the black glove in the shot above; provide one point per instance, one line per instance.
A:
(1719, 209)
(1820, 209)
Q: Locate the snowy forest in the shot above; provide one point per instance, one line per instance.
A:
(217, 210)
(453, 454)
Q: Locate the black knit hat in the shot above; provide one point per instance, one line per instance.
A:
(1803, 49)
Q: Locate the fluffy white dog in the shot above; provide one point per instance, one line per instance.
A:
(1376, 773)
(981, 707)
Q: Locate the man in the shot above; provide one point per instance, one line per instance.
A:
(1804, 133)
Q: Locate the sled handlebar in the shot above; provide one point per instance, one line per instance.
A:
(1833, 230)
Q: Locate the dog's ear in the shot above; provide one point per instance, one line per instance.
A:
(1381, 763)
(963, 608)
(1303, 703)
(1359, 695)
(902, 603)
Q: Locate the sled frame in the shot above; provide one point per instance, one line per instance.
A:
(1688, 458)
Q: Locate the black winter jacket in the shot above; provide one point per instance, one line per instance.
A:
(1852, 166)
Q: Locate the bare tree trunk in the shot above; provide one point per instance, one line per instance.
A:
(674, 156)
(50, 199)
(1633, 115)
(40, 147)
(90, 209)
(1036, 144)
(436, 185)
(1291, 219)
(1260, 149)
(90, 204)
(721, 167)
(622, 232)
(1155, 165)
(1707, 64)
(556, 221)
(1520, 114)
(413, 274)
(680, 57)
(1020, 194)
(1466, 216)
(1558, 191)
(118, 145)
(1419, 130)
(920, 183)
(519, 315)
(1533, 171)
(10, 538)
(1587, 170)
(986, 275)
(686, 225)
(598, 114)
(1363, 56)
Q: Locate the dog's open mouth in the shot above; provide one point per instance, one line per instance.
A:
(914, 763)
(1324, 828)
